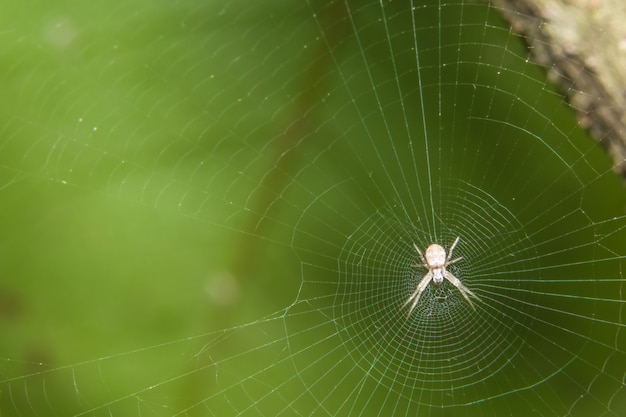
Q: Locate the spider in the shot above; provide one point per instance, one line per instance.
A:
(436, 261)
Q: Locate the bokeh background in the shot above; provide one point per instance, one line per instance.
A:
(208, 208)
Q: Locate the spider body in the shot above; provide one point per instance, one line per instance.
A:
(436, 261)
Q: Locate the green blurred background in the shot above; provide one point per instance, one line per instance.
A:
(180, 183)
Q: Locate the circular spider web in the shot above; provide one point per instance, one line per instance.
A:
(443, 345)
(444, 354)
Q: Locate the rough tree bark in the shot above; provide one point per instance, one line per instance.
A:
(583, 43)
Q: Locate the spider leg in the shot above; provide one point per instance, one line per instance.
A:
(465, 292)
(421, 257)
(451, 249)
(418, 291)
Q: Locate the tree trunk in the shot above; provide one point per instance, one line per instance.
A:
(583, 45)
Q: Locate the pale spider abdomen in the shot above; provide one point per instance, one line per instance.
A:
(435, 256)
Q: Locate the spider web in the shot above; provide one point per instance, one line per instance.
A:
(210, 209)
